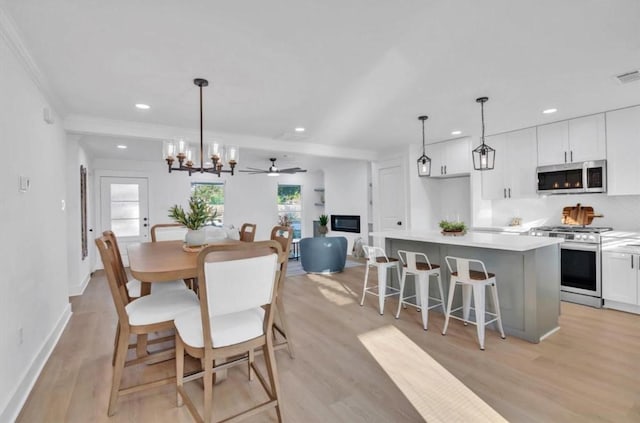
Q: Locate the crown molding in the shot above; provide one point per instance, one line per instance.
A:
(9, 32)
(87, 125)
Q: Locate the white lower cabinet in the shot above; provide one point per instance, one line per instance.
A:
(620, 281)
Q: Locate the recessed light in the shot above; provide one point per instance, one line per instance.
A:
(549, 111)
(143, 106)
(299, 129)
(456, 132)
(122, 147)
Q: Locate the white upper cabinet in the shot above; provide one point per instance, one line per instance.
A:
(623, 150)
(514, 175)
(573, 140)
(450, 158)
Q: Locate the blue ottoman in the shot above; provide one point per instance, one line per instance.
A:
(323, 254)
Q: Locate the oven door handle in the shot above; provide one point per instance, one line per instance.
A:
(582, 247)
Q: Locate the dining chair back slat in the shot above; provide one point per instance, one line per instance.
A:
(168, 232)
(248, 232)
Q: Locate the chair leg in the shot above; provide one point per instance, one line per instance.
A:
(115, 345)
(441, 292)
(285, 327)
(496, 304)
(382, 287)
(179, 370)
(422, 291)
(466, 302)
(252, 358)
(270, 361)
(364, 287)
(452, 288)
(208, 389)
(118, 368)
(401, 299)
(479, 292)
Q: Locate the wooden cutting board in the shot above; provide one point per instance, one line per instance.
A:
(578, 215)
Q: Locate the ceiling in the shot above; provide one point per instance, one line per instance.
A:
(355, 73)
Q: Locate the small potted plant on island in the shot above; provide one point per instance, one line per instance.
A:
(453, 228)
(323, 220)
(198, 215)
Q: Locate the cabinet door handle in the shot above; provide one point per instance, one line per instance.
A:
(632, 262)
(445, 169)
(571, 155)
(565, 156)
(505, 193)
(441, 170)
(509, 192)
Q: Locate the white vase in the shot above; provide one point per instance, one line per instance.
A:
(195, 237)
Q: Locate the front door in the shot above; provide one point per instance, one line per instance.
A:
(124, 209)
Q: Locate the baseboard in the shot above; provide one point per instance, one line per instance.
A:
(80, 289)
(25, 385)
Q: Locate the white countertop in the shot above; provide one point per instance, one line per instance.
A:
(474, 239)
(621, 242)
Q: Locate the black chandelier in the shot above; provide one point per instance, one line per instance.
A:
(424, 162)
(483, 156)
(180, 149)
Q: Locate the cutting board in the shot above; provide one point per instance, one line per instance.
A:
(578, 215)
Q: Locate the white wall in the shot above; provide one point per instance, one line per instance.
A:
(79, 269)
(346, 192)
(620, 212)
(33, 260)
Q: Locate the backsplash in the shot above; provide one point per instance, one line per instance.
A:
(620, 212)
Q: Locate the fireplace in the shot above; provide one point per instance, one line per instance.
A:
(345, 223)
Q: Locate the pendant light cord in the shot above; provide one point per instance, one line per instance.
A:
(423, 146)
(482, 114)
(201, 140)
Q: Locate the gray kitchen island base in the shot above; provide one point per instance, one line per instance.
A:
(528, 281)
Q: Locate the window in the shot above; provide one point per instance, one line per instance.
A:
(290, 207)
(213, 194)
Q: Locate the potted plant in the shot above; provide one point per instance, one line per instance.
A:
(323, 220)
(452, 228)
(198, 215)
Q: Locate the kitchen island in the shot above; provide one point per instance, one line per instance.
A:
(527, 273)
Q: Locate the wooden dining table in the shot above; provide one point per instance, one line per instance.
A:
(163, 261)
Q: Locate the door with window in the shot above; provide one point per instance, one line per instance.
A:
(124, 209)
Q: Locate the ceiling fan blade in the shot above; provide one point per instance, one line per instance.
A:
(253, 171)
(291, 169)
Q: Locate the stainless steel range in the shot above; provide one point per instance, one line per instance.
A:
(580, 262)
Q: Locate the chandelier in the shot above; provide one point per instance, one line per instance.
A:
(484, 157)
(424, 162)
(187, 158)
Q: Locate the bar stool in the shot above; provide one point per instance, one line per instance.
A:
(421, 271)
(476, 282)
(376, 257)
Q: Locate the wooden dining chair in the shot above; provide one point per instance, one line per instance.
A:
(168, 232)
(134, 286)
(238, 285)
(284, 236)
(141, 316)
(247, 232)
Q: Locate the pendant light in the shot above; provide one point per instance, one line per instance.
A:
(424, 162)
(483, 156)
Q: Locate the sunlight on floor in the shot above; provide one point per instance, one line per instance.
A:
(333, 291)
(434, 392)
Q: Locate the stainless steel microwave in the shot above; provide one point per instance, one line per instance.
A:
(573, 178)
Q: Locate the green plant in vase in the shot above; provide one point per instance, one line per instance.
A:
(194, 219)
(452, 228)
(323, 220)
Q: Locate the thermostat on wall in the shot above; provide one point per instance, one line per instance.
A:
(24, 183)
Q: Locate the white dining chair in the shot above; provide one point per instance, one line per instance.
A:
(238, 285)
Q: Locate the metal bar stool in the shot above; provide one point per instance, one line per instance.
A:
(472, 281)
(376, 257)
(421, 271)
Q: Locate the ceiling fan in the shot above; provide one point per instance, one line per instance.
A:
(273, 169)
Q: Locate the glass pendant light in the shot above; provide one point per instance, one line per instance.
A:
(483, 156)
(424, 162)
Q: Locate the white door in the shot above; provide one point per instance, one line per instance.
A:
(391, 199)
(124, 209)
(553, 143)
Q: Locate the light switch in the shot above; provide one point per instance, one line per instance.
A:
(25, 183)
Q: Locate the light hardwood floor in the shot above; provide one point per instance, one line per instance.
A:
(588, 371)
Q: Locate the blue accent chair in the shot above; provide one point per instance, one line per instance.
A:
(323, 254)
